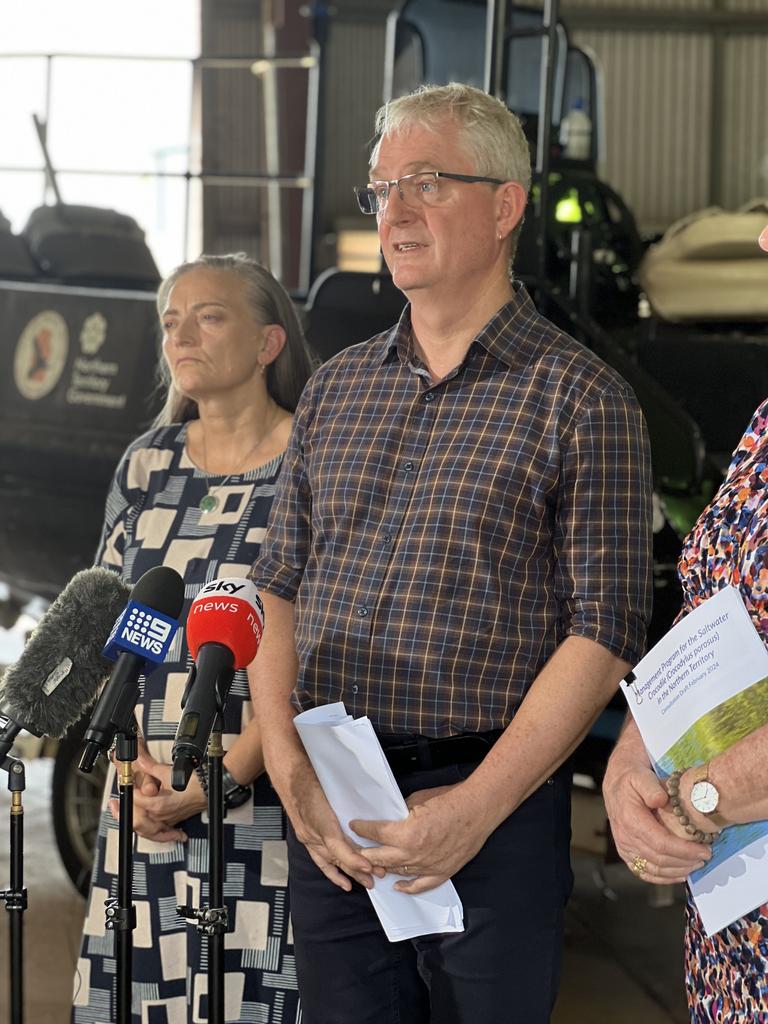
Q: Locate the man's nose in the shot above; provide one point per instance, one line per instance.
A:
(397, 209)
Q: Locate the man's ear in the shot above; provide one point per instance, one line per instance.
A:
(273, 343)
(511, 199)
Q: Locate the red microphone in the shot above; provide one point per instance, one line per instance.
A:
(224, 629)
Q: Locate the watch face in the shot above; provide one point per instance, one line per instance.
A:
(704, 797)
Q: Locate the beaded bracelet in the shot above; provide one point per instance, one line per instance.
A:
(202, 774)
(673, 789)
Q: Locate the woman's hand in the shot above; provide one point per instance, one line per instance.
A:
(157, 807)
(646, 836)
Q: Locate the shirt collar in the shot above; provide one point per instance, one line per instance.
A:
(499, 337)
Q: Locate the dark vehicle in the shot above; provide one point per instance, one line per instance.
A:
(77, 362)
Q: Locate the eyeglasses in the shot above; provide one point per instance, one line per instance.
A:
(419, 189)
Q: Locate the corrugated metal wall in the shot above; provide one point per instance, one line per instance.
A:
(686, 111)
(239, 139)
(354, 82)
(658, 97)
(744, 150)
(640, 5)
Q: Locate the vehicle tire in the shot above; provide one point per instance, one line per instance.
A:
(76, 799)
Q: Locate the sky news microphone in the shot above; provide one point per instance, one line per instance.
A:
(61, 667)
(139, 641)
(224, 629)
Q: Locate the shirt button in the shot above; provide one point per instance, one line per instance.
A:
(408, 466)
(387, 538)
(355, 688)
(430, 396)
(362, 611)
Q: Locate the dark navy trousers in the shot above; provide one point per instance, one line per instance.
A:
(504, 968)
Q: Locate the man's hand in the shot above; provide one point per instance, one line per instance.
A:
(645, 830)
(157, 807)
(443, 831)
(317, 827)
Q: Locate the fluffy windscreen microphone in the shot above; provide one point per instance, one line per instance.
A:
(139, 641)
(224, 629)
(61, 667)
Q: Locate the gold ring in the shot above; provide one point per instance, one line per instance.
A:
(639, 864)
(405, 869)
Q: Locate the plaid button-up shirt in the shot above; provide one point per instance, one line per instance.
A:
(440, 540)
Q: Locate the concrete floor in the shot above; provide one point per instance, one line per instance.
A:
(623, 955)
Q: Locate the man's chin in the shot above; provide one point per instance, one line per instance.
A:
(408, 281)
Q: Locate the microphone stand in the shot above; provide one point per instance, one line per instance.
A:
(16, 896)
(121, 913)
(212, 920)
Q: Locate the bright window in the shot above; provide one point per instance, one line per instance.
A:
(114, 125)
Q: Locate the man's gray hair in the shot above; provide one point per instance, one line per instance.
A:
(491, 133)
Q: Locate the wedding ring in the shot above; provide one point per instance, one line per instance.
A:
(639, 864)
(405, 870)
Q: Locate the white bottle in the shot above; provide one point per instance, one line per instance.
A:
(576, 133)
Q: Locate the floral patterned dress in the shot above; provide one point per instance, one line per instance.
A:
(727, 974)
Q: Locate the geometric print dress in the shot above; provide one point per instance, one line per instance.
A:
(152, 518)
(727, 974)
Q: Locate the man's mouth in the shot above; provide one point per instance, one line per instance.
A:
(406, 246)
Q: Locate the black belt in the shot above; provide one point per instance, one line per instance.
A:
(420, 753)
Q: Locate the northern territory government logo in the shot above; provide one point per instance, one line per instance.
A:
(41, 354)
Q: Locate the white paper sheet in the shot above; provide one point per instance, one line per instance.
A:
(702, 687)
(358, 782)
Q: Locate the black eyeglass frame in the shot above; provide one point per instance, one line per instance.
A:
(361, 190)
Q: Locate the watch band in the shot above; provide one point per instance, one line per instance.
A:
(235, 794)
(672, 784)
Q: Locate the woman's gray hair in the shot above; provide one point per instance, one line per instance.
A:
(491, 134)
(270, 304)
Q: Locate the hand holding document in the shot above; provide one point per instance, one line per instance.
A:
(358, 783)
(702, 688)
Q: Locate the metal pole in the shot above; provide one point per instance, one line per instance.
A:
(16, 896)
(272, 146)
(121, 913)
(546, 104)
(310, 170)
(495, 40)
(216, 878)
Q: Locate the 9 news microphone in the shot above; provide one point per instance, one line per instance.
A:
(139, 641)
(61, 667)
(224, 629)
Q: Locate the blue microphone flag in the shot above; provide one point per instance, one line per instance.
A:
(143, 631)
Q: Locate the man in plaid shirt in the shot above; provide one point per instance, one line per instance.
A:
(460, 549)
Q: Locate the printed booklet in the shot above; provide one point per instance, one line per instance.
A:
(701, 689)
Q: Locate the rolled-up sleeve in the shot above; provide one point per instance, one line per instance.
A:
(603, 536)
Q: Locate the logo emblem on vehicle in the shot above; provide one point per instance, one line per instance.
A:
(41, 354)
(93, 334)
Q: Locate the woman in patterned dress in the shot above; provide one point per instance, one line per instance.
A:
(194, 494)
(727, 973)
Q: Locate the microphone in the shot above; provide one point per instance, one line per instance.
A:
(139, 641)
(224, 629)
(61, 667)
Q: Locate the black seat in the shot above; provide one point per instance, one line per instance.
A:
(347, 306)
